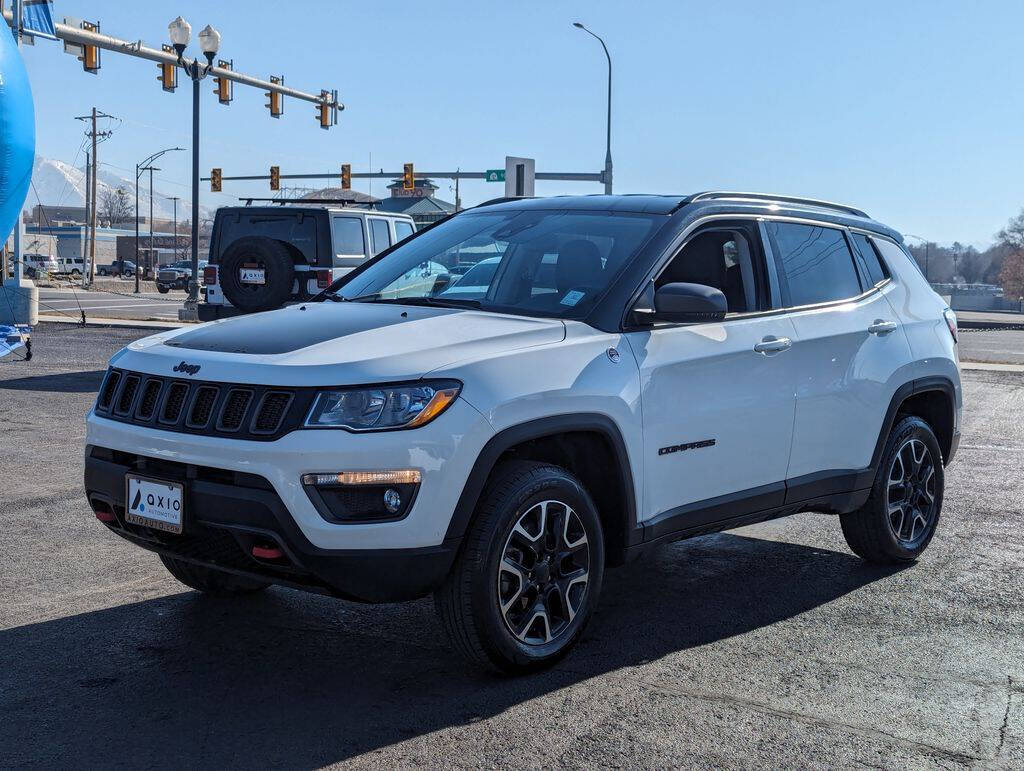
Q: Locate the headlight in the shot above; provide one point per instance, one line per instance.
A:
(381, 407)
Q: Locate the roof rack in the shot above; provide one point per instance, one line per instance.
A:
(713, 194)
(503, 199)
(310, 201)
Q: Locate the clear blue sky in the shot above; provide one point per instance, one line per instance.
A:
(910, 110)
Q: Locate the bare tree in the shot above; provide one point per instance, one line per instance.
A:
(114, 205)
(1011, 238)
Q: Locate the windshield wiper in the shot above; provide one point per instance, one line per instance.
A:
(436, 302)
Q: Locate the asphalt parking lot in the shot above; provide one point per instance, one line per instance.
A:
(119, 303)
(769, 646)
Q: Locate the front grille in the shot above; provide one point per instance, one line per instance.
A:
(202, 407)
(260, 413)
(175, 401)
(150, 398)
(126, 397)
(271, 412)
(108, 390)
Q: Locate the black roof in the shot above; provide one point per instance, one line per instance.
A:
(723, 202)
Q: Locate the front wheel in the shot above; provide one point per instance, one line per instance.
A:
(899, 519)
(162, 289)
(529, 576)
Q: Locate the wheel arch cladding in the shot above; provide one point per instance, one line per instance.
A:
(933, 400)
(587, 445)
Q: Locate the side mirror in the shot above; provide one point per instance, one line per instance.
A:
(689, 303)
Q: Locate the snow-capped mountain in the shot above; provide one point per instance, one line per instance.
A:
(57, 183)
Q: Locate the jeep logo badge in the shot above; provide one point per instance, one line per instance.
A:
(188, 369)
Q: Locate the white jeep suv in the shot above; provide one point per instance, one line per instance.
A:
(628, 371)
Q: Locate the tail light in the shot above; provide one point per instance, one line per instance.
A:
(210, 275)
(951, 323)
(323, 279)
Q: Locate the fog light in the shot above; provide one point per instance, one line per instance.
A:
(392, 500)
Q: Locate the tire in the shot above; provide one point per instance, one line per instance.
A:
(910, 479)
(210, 581)
(521, 497)
(162, 289)
(262, 252)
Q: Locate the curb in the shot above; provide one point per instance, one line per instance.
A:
(983, 366)
(99, 322)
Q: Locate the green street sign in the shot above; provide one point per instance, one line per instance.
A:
(495, 175)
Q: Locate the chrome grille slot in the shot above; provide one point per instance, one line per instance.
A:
(235, 406)
(271, 411)
(150, 399)
(202, 406)
(126, 396)
(109, 389)
(174, 403)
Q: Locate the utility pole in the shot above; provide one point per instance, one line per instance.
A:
(88, 186)
(90, 192)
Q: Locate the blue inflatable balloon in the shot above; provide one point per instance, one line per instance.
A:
(17, 132)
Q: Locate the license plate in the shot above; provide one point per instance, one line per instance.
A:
(154, 503)
(252, 276)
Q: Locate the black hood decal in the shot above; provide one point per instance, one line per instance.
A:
(295, 328)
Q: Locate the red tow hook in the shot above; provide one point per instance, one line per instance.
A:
(103, 512)
(267, 552)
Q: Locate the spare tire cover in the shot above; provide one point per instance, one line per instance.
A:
(261, 253)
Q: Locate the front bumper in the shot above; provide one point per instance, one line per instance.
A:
(444, 452)
(228, 513)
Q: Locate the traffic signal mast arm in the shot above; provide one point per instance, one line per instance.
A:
(84, 37)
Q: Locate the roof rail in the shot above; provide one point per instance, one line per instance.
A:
(503, 199)
(310, 201)
(713, 194)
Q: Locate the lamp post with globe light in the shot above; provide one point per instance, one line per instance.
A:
(209, 42)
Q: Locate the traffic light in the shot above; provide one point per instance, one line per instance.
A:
(168, 72)
(346, 176)
(215, 180)
(275, 177)
(275, 101)
(90, 54)
(408, 178)
(222, 86)
(323, 110)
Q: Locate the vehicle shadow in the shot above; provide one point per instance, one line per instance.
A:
(296, 680)
(59, 382)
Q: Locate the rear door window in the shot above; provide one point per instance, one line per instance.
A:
(349, 243)
(403, 230)
(380, 235)
(815, 263)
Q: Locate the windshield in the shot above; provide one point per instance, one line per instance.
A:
(545, 263)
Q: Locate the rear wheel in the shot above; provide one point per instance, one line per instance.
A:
(899, 519)
(210, 581)
(529, 576)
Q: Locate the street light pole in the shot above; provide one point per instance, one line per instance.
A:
(149, 262)
(175, 199)
(140, 167)
(608, 147)
(209, 41)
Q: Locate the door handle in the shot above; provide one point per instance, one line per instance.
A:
(882, 327)
(772, 344)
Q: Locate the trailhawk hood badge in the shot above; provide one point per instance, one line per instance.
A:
(188, 369)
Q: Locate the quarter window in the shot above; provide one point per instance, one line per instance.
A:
(403, 229)
(380, 236)
(348, 236)
(815, 263)
(877, 272)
